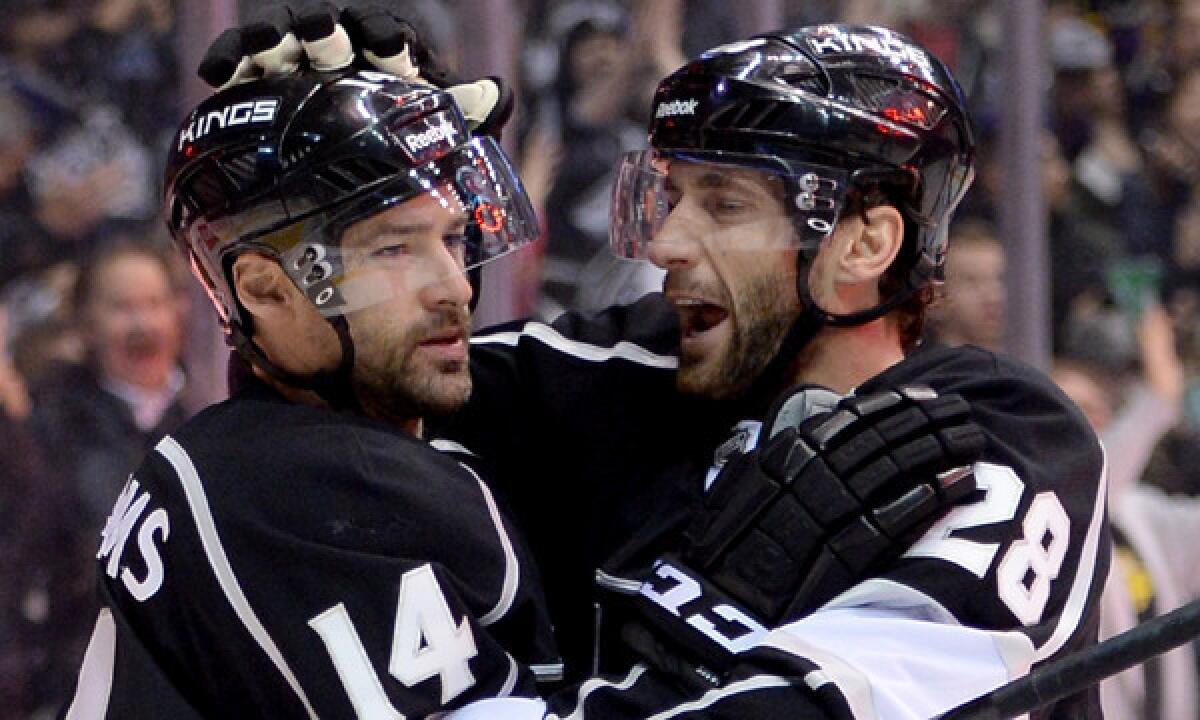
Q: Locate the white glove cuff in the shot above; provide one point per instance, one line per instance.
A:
(283, 59)
(330, 53)
(476, 100)
(246, 71)
(400, 65)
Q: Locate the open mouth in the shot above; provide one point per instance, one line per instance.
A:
(697, 316)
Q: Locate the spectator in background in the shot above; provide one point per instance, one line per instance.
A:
(1082, 60)
(14, 394)
(114, 407)
(120, 54)
(1089, 96)
(22, 242)
(1167, 36)
(95, 421)
(596, 109)
(1173, 168)
(973, 310)
(1150, 575)
(42, 332)
(1084, 242)
(33, 538)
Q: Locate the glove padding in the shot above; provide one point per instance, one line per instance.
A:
(299, 36)
(820, 504)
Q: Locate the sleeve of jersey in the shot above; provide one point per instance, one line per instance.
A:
(530, 376)
(1021, 566)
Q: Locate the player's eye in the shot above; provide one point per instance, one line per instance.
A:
(456, 243)
(727, 206)
(391, 250)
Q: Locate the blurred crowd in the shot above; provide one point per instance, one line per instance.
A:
(93, 308)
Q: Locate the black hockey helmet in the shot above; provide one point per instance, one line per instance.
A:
(829, 108)
(281, 166)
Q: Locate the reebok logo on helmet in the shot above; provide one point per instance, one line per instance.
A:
(436, 133)
(675, 108)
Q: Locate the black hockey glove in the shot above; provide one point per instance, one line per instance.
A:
(834, 491)
(822, 502)
(299, 36)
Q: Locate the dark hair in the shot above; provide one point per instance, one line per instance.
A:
(116, 246)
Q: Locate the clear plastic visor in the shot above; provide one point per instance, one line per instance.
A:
(419, 231)
(662, 201)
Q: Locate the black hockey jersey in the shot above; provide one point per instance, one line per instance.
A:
(275, 560)
(583, 431)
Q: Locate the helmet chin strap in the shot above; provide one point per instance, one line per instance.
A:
(333, 386)
(812, 319)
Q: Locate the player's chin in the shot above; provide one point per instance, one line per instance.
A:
(704, 367)
(702, 376)
(446, 390)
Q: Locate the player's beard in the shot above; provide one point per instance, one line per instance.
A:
(394, 380)
(762, 314)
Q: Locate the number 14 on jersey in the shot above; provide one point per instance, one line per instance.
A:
(426, 641)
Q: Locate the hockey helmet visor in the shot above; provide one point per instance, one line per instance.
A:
(753, 202)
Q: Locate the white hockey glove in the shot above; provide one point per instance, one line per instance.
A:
(316, 36)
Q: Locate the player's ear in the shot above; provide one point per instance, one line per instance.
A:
(873, 247)
(262, 286)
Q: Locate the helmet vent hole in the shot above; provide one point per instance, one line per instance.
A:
(294, 154)
(873, 91)
(755, 114)
(206, 188)
(352, 173)
(804, 81)
(242, 169)
(899, 102)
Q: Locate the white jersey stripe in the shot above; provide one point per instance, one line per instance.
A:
(94, 686)
(1077, 599)
(450, 446)
(545, 334)
(595, 684)
(882, 592)
(202, 515)
(548, 671)
(510, 681)
(816, 679)
(512, 567)
(716, 695)
(622, 585)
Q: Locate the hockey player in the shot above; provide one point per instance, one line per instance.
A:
(797, 193)
(298, 551)
(749, 533)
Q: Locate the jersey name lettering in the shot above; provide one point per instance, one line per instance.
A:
(117, 530)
